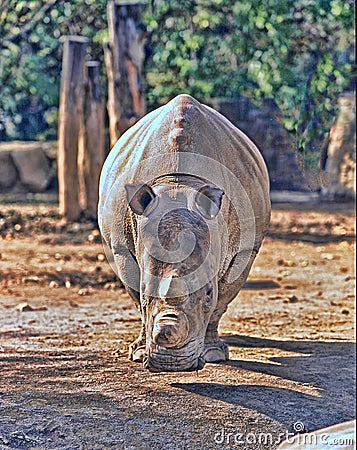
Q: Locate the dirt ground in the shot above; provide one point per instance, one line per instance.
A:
(65, 326)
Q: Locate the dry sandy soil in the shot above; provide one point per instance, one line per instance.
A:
(65, 326)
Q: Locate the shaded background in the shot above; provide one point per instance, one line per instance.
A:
(297, 54)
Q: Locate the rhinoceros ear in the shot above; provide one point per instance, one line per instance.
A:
(209, 200)
(139, 196)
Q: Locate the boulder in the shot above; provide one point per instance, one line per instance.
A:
(33, 166)
(341, 151)
(8, 172)
(263, 126)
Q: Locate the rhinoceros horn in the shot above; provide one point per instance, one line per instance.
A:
(173, 287)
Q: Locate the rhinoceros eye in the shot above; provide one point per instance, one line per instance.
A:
(209, 291)
(208, 201)
(139, 196)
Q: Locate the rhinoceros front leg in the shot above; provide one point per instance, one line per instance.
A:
(229, 286)
(215, 349)
(137, 348)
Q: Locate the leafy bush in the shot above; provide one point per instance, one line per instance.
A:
(299, 53)
(30, 60)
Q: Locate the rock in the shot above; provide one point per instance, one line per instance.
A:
(264, 127)
(341, 151)
(33, 166)
(24, 307)
(86, 291)
(30, 279)
(8, 172)
(341, 435)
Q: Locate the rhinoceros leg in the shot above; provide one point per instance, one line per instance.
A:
(215, 349)
(137, 348)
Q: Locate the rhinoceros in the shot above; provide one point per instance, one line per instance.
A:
(184, 206)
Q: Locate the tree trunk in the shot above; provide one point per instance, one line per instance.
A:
(70, 123)
(92, 145)
(124, 56)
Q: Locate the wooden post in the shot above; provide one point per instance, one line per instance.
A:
(70, 123)
(92, 143)
(124, 56)
(341, 151)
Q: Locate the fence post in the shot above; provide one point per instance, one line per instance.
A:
(92, 141)
(341, 151)
(70, 123)
(124, 56)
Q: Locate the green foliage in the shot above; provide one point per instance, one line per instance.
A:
(298, 52)
(30, 60)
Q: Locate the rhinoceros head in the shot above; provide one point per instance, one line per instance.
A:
(178, 252)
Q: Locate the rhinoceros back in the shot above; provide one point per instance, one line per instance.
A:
(187, 137)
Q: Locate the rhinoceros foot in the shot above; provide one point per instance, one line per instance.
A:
(216, 352)
(137, 350)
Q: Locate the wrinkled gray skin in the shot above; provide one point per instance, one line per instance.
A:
(183, 230)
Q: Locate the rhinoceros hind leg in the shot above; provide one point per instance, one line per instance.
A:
(137, 348)
(215, 349)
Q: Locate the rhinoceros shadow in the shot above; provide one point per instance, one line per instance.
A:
(316, 387)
